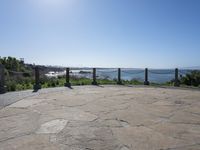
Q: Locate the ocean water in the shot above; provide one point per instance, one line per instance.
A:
(154, 75)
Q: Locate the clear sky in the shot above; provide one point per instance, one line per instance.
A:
(102, 33)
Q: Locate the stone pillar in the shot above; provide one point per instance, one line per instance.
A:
(146, 82)
(67, 84)
(119, 76)
(2, 80)
(94, 82)
(37, 85)
(176, 81)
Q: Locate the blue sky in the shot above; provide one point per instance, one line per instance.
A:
(102, 33)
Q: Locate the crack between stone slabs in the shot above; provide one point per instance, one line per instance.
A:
(185, 146)
(89, 148)
(148, 127)
(194, 113)
(17, 136)
(187, 123)
(95, 119)
(172, 113)
(94, 139)
(117, 109)
(80, 141)
(20, 135)
(117, 95)
(176, 110)
(178, 138)
(121, 121)
(14, 114)
(80, 105)
(164, 117)
(92, 101)
(126, 146)
(151, 103)
(111, 110)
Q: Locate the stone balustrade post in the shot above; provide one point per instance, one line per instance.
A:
(146, 82)
(176, 82)
(67, 84)
(94, 82)
(2, 79)
(119, 76)
(37, 85)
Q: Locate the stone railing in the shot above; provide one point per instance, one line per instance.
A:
(37, 84)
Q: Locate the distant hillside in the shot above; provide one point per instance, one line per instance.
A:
(16, 65)
(191, 68)
(13, 64)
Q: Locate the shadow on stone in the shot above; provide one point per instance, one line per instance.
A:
(101, 86)
(120, 83)
(35, 90)
(70, 87)
(129, 85)
(36, 87)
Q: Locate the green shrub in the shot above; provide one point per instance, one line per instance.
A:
(191, 79)
(11, 85)
(19, 87)
(28, 86)
(27, 74)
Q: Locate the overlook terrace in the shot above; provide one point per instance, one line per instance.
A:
(101, 117)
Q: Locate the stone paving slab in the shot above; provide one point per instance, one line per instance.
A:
(102, 118)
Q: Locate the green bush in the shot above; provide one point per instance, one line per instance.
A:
(19, 87)
(191, 79)
(28, 86)
(27, 74)
(11, 85)
(135, 82)
(106, 81)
